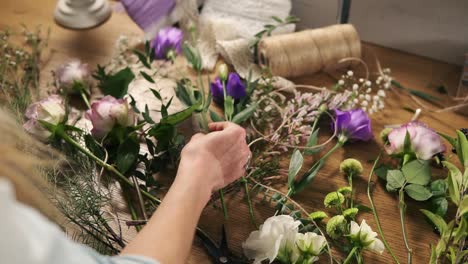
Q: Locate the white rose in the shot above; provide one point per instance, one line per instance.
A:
(277, 233)
(50, 110)
(366, 237)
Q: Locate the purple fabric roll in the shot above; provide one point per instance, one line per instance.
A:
(147, 12)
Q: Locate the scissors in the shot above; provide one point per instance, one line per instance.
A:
(219, 254)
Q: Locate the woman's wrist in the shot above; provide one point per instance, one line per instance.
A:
(197, 177)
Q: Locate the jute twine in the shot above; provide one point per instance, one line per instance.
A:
(310, 51)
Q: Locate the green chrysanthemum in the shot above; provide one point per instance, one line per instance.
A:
(333, 199)
(351, 167)
(345, 190)
(336, 226)
(318, 216)
(350, 213)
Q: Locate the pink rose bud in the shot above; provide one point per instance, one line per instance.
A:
(71, 74)
(50, 110)
(108, 112)
(425, 142)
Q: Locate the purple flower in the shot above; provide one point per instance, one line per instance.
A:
(425, 142)
(234, 88)
(168, 41)
(107, 112)
(148, 14)
(50, 110)
(353, 125)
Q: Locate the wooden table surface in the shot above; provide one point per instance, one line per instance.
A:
(96, 45)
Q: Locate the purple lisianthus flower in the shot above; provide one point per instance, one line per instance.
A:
(425, 142)
(148, 14)
(167, 42)
(352, 125)
(234, 88)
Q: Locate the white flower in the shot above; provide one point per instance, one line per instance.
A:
(277, 233)
(310, 243)
(366, 237)
(355, 87)
(341, 82)
(50, 110)
(70, 73)
(350, 73)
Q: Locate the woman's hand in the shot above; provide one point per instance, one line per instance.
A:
(215, 159)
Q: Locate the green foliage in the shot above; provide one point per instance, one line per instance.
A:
(312, 142)
(116, 84)
(127, 154)
(395, 180)
(417, 172)
(193, 56)
(295, 166)
(418, 192)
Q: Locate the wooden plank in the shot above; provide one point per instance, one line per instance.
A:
(96, 45)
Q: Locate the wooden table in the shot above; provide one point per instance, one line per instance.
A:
(95, 46)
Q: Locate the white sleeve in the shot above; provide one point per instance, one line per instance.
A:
(27, 237)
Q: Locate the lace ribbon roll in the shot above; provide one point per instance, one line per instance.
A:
(309, 51)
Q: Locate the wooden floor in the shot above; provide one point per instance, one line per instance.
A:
(95, 46)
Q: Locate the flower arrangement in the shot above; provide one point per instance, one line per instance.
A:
(125, 145)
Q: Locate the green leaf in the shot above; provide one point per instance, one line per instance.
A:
(407, 143)
(228, 107)
(244, 114)
(439, 205)
(417, 171)
(437, 220)
(193, 56)
(395, 180)
(382, 171)
(116, 85)
(463, 208)
(133, 104)
(142, 58)
(127, 154)
(312, 142)
(454, 180)
(94, 147)
(147, 77)
(147, 116)
(450, 139)
(156, 94)
(418, 192)
(295, 166)
(215, 117)
(277, 19)
(178, 117)
(439, 187)
(462, 149)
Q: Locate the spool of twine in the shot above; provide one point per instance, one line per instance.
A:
(309, 51)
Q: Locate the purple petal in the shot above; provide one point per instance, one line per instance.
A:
(167, 39)
(341, 120)
(235, 87)
(146, 13)
(217, 91)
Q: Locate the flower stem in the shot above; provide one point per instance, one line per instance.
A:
(350, 181)
(402, 207)
(374, 211)
(85, 99)
(249, 201)
(223, 204)
(350, 255)
(106, 166)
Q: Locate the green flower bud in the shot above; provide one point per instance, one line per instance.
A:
(345, 190)
(336, 226)
(384, 134)
(351, 167)
(333, 199)
(350, 213)
(318, 216)
(223, 72)
(323, 108)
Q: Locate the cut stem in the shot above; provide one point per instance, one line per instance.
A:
(350, 255)
(223, 204)
(85, 98)
(402, 207)
(106, 166)
(374, 211)
(249, 201)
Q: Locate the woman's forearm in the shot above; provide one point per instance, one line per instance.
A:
(168, 235)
